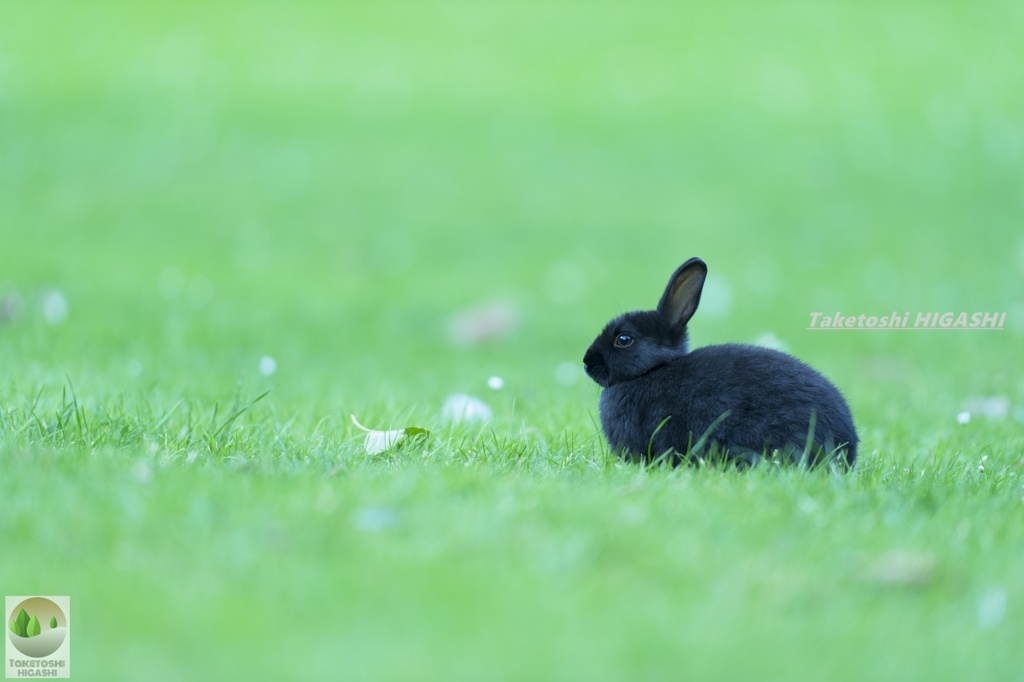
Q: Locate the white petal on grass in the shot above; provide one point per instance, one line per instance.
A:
(268, 366)
(461, 407)
(567, 373)
(495, 383)
(55, 307)
(381, 441)
(963, 417)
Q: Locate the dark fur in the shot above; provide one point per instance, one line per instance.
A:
(660, 398)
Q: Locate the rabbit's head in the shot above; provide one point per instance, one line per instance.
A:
(635, 343)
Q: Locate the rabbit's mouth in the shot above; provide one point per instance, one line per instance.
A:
(593, 365)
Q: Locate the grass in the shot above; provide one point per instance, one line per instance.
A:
(204, 185)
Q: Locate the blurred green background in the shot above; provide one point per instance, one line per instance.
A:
(187, 188)
(329, 183)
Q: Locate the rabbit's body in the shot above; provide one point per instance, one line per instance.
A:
(767, 398)
(745, 400)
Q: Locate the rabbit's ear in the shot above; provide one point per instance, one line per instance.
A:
(682, 295)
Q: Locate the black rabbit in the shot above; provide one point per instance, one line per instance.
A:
(740, 401)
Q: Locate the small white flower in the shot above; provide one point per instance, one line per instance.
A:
(373, 519)
(495, 383)
(461, 407)
(963, 417)
(55, 307)
(268, 366)
(992, 609)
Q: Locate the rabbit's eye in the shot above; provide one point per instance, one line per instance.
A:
(623, 340)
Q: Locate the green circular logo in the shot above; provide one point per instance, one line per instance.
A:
(37, 627)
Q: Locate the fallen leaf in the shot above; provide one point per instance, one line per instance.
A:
(381, 441)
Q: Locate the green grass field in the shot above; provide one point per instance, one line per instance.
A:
(187, 189)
